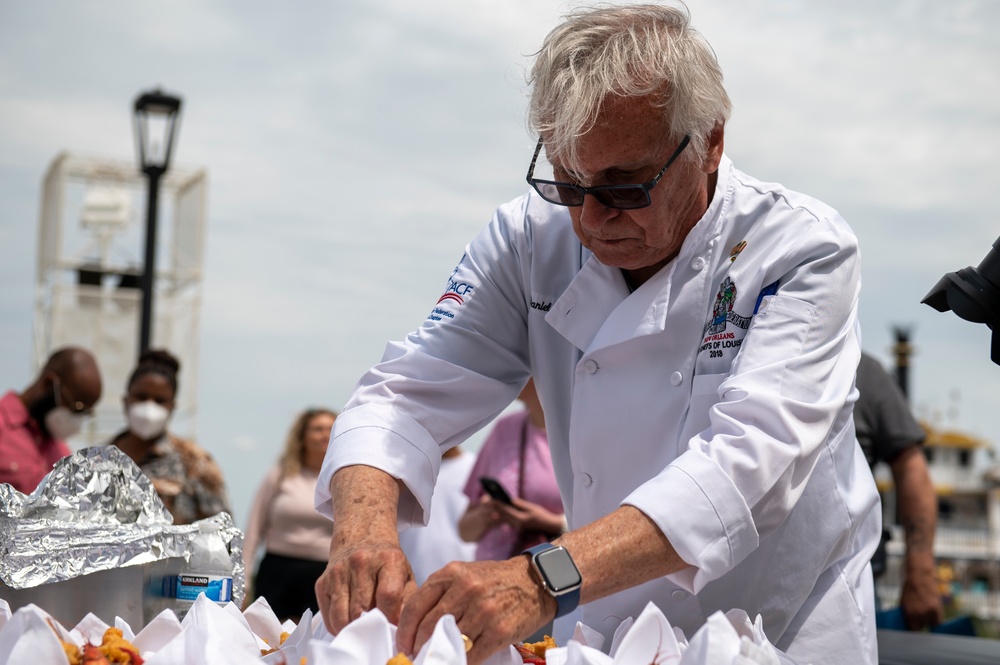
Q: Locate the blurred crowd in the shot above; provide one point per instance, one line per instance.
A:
(487, 506)
(286, 542)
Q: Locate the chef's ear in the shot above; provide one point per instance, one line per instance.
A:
(713, 149)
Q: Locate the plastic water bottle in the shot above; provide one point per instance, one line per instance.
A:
(209, 571)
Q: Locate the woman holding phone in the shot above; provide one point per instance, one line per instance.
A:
(514, 501)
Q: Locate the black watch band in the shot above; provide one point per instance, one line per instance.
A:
(558, 575)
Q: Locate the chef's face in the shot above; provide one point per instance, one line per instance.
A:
(630, 143)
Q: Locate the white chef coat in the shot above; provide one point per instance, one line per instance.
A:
(716, 398)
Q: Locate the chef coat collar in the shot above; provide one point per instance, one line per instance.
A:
(596, 310)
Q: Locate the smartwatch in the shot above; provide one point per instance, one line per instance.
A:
(558, 574)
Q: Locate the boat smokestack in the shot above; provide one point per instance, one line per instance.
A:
(902, 351)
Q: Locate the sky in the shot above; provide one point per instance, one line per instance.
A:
(354, 147)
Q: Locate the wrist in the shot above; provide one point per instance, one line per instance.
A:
(547, 606)
(919, 562)
(557, 575)
(351, 531)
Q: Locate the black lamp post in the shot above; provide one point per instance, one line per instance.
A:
(156, 116)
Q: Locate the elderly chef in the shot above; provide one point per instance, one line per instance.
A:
(692, 333)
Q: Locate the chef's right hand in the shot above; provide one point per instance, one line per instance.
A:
(363, 573)
(367, 568)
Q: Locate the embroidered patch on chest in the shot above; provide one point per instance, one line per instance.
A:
(726, 328)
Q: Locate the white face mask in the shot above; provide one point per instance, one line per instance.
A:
(147, 420)
(63, 423)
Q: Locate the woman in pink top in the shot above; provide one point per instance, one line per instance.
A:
(516, 454)
(296, 538)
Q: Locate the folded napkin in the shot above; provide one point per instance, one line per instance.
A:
(211, 634)
(26, 637)
(725, 639)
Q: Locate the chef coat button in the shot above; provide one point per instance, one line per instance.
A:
(591, 366)
(586, 479)
(677, 594)
(676, 378)
(697, 264)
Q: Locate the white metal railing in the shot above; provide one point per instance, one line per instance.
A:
(981, 604)
(952, 542)
(961, 540)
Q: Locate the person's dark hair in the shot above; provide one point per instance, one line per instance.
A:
(157, 361)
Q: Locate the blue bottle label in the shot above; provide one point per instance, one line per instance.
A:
(217, 587)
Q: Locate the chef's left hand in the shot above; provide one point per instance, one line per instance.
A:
(495, 603)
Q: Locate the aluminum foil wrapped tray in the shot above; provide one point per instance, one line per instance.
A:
(94, 513)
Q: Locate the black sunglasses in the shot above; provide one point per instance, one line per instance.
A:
(621, 197)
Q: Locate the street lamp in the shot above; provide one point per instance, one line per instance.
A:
(156, 116)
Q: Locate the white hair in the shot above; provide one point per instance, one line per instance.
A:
(625, 51)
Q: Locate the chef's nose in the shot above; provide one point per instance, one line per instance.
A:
(594, 214)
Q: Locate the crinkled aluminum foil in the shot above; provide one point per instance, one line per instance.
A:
(95, 511)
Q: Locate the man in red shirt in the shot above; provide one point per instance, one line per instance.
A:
(35, 423)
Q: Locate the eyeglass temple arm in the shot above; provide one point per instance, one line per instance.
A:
(673, 157)
(534, 158)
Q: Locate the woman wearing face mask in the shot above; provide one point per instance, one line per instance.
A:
(186, 477)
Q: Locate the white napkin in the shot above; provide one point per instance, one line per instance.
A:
(369, 639)
(200, 645)
(725, 639)
(650, 640)
(224, 624)
(505, 657)
(587, 636)
(620, 632)
(26, 637)
(296, 645)
(575, 653)
(264, 624)
(90, 629)
(159, 632)
(123, 625)
(715, 643)
(445, 647)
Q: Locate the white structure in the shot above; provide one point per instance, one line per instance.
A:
(91, 238)
(967, 542)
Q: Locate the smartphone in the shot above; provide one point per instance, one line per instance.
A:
(492, 487)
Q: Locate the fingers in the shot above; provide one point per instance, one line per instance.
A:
(361, 589)
(360, 580)
(394, 585)
(415, 613)
(494, 603)
(332, 605)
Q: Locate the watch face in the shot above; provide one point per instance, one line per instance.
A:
(558, 570)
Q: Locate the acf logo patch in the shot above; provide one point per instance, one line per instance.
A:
(456, 294)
